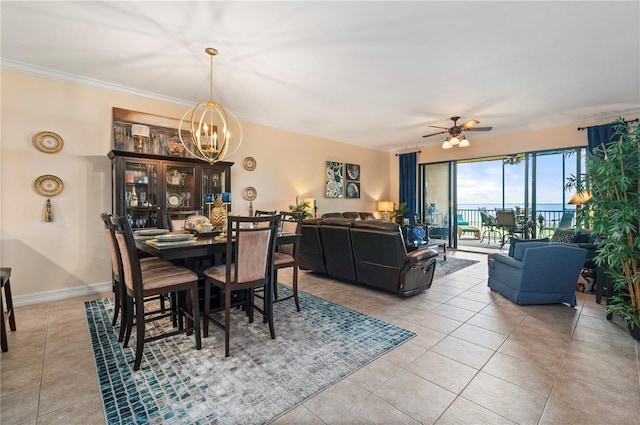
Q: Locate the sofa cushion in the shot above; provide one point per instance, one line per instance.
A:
(563, 236)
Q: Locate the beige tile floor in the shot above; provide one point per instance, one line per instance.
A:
(477, 359)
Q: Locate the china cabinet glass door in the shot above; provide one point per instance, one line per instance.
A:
(140, 193)
(181, 188)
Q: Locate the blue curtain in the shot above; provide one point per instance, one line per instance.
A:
(599, 134)
(408, 178)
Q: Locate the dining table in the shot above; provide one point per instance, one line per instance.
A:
(199, 252)
(203, 245)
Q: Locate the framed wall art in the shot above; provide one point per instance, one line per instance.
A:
(334, 180)
(352, 185)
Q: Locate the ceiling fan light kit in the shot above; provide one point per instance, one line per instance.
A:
(454, 138)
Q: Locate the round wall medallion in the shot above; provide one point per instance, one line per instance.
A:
(249, 193)
(48, 142)
(249, 163)
(48, 185)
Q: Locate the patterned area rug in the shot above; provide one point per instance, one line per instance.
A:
(262, 378)
(451, 265)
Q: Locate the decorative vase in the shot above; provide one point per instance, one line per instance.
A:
(218, 214)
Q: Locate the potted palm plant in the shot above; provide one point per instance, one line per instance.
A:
(304, 208)
(612, 177)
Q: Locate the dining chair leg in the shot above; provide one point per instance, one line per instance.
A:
(117, 298)
(275, 284)
(129, 320)
(268, 309)
(207, 309)
(195, 310)
(295, 287)
(227, 320)
(139, 333)
(3, 328)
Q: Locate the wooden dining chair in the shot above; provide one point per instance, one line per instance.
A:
(116, 281)
(7, 313)
(175, 219)
(287, 255)
(249, 265)
(260, 213)
(140, 284)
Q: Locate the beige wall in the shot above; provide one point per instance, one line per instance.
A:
(70, 254)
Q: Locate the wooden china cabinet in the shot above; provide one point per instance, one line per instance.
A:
(150, 176)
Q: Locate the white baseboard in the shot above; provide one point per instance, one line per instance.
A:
(61, 294)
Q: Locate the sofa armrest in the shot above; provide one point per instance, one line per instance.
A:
(421, 256)
(507, 261)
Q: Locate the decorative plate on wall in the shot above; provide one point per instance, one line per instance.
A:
(48, 185)
(249, 163)
(48, 142)
(249, 193)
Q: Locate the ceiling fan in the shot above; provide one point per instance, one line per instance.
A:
(455, 132)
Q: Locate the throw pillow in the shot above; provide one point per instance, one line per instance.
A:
(563, 236)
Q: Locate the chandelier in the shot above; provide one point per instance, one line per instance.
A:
(455, 140)
(207, 127)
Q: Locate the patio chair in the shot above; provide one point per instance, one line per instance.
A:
(509, 226)
(489, 226)
(566, 222)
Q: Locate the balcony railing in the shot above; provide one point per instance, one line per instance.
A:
(550, 222)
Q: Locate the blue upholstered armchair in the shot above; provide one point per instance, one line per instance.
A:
(538, 273)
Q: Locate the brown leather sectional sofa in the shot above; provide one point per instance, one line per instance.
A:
(370, 252)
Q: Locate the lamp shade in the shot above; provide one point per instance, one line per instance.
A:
(385, 206)
(464, 143)
(580, 198)
(138, 130)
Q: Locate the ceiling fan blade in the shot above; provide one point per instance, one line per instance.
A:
(478, 129)
(433, 134)
(470, 123)
(435, 126)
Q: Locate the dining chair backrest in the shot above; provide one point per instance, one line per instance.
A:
(291, 221)
(131, 273)
(260, 213)
(250, 249)
(175, 219)
(112, 243)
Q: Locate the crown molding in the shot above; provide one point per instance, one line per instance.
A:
(38, 71)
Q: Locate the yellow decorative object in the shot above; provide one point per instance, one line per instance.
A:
(218, 214)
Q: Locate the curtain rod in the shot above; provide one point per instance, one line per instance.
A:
(626, 122)
(398, 154)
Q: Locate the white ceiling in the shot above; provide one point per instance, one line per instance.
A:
(366, 73)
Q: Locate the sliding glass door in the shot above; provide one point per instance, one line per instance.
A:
(435, 200)
(532, 184)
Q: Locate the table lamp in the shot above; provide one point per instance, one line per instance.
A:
(386, 207)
